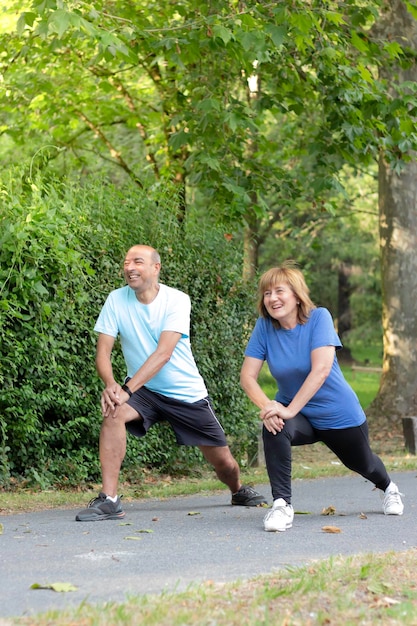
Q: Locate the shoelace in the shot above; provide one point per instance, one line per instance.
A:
(100, 498)
(393, 496)
(281, 509)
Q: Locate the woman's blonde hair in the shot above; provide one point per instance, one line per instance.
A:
(289, 274)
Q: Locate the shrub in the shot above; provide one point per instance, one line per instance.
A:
(61, 249)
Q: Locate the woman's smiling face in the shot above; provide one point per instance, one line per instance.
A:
(282, 305)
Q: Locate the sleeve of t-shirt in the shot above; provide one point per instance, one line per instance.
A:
(323, 332)
(178, 314)
(256, 347)
(107, 321)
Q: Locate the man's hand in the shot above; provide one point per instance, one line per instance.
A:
(112, 397)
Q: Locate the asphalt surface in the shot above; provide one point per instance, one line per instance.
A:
(193, 540)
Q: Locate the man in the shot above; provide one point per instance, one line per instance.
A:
(162, 383)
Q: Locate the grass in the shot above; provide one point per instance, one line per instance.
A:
(361, 590)
(358, 591)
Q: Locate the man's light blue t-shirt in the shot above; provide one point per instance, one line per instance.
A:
(139, 327)
(288, 355)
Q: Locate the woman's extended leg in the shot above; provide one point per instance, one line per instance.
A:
(351, 446)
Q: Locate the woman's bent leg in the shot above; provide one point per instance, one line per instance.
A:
(296, 432)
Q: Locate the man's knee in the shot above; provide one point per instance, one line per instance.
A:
(218, 456)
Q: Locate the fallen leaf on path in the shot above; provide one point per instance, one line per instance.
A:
(331, 529)
(133, 538)
(384, 602)
(194, 513)
(60, 587)
(330, 510)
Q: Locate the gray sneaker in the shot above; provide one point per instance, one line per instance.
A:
(246, 496)
(101, 508)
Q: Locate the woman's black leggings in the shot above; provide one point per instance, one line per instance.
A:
(350, 445)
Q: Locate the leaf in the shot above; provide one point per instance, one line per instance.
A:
(133, 538)
(330, 510)
(179, 139)
(26, 19)
(59, 587)
(378, 587)
(193, 513)
(222, 32)
(277, 34)
(365, 73)
(359, 43)
(145, 530)
(59, 21)
(331, 529)
(1, 529)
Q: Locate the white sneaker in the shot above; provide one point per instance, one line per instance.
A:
(280, 517)
(392, 503)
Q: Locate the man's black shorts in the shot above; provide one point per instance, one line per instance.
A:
(194, 423)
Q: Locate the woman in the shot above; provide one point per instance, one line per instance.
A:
(314, 402)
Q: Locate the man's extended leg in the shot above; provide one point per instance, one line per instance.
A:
(227, 470)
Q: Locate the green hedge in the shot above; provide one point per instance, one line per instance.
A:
(61, 252)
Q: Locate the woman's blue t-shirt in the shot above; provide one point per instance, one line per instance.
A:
(288, 355)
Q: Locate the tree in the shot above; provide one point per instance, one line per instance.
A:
(397, 396)
(160, 90)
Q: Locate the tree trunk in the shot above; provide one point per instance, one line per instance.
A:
(397, 396)
(344, 312)
(250, 253)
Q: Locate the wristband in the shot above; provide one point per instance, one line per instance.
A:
(126, 388)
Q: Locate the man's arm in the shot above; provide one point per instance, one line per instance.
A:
(156, 361)
(113, 395)
(110, 397)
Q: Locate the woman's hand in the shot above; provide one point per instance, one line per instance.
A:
(271, 415)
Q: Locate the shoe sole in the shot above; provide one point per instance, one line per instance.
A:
(278, 530)
(98, 518)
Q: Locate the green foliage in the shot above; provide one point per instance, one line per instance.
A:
(61, 249)
(163, 90)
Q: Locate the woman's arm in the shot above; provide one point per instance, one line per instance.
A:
(249, 382)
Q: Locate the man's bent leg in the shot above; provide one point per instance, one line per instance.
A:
(112, 452)
(228, 472)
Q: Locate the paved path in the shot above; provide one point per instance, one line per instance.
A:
(193, 539)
